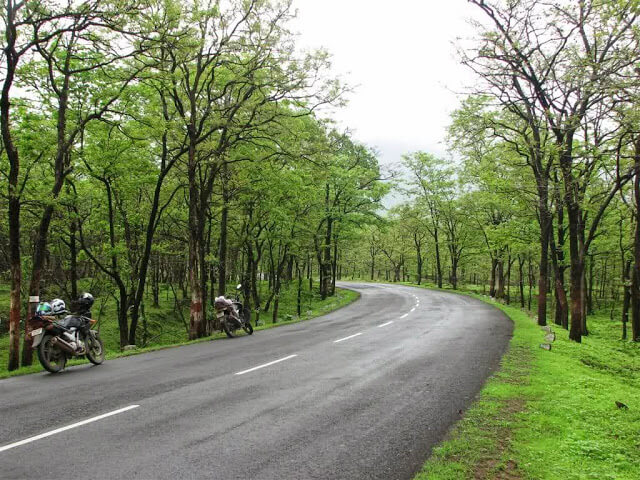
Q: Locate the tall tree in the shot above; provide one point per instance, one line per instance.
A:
(554, 77)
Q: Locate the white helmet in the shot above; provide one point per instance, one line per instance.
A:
(58, 306)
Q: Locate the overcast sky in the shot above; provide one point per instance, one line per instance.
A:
(400, 56)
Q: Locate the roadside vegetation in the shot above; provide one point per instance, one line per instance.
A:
(571, 412)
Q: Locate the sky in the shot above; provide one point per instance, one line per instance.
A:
(401, 58)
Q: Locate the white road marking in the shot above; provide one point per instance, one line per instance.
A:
(68, 427)
(347, 338)
(403, 316)
(265, 365)
(412, 310)
(385, 324)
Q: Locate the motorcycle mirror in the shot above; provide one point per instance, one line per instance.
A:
(239, 286)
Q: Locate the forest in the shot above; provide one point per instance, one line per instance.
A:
(180, 147)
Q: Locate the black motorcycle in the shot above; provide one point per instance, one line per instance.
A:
(229, 312)
(58, 341)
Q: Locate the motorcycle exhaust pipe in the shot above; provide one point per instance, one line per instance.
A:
(63, 345)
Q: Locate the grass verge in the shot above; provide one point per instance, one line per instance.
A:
(550, 414)
(168, 332)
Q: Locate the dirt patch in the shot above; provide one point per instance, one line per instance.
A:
(498, 463)
(494, 466)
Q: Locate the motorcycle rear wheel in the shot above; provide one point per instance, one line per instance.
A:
(95, 349)
(51, 357)
(247, 327)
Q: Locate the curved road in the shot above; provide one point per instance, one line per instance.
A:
(364, 392)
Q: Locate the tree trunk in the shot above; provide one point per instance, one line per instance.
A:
(521, 280)
(492, 284)
(509, 263)
(222, 251)
(626, 282)
(543, 280)
(454, 272)
(576, 274)
(562, 305)
(123, 305)
(11, 62)
(438, 264)
(334, 264)
(278, 284)
(589, 286)
(635, 283)
(299, 293)
(500, 275)
(155, 282)
(73, 254)
(531, 281)
(203, 273)
(196, 315)
(325, 267)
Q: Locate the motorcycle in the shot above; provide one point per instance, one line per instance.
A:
(229, 312)
(59, 341)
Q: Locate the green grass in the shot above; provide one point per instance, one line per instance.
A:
(551, 414)
(166, 328)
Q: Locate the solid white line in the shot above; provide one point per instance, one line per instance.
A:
(347, 338)
(265, 365)
(404, 315)
(68, 427)
(385, 324)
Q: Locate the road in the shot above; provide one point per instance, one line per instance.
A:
(362, 393)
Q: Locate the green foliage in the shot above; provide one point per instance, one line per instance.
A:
(548, 415)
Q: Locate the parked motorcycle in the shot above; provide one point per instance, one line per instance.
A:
(72, 337)
(229, 312)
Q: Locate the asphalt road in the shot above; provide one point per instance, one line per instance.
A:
(349, 396)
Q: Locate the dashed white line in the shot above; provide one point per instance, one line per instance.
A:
(412, 310)
(265, 365)
(403, 316)
(68, 427)
(385, 324)
(347, 338)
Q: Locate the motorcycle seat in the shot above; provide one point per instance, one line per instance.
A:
(71, 321)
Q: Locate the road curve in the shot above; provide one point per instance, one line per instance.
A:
(364, 392)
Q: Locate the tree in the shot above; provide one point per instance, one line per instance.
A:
(21, 19)
(432, 182)
(556, 79)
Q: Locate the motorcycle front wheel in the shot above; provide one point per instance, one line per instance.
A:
(51, 357)
(95, 349)
(246, 326)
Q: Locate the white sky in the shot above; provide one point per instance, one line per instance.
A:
(400, 56)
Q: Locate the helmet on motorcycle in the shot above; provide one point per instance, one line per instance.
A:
(84, 302)
(44, 308)
(58, 306)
